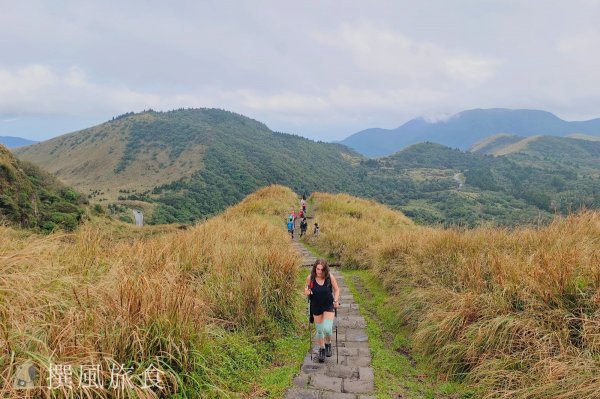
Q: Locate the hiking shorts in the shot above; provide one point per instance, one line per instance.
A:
(319, 310)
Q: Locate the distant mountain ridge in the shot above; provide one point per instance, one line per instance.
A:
(466, 128)
(185, 165)
(13, 142)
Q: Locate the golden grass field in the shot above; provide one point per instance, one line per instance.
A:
(514, 313)
(204, 303)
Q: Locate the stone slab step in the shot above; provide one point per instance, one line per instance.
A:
(352, 377)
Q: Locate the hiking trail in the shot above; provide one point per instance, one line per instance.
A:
(353, 377)
(308, 259)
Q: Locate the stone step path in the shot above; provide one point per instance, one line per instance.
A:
(308, 259)
(352, 377)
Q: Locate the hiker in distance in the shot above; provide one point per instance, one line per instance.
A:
(293, 217)
(303, 226)
(290, 227)
(323, 291)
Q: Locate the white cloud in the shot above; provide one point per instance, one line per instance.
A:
(391, 99)
(470, 70)
(394, 54)
(338, 98)
(284, 101)
(315, 68)
(581, 44)
(39, 89)
(25, 80)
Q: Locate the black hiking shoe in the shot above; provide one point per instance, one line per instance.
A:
(321, 355)
(328, 350)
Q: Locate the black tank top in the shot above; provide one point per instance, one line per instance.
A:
(322, 296)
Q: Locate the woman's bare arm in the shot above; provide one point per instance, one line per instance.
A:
(307, 290)
(336, 290)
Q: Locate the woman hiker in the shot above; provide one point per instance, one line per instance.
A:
(324, 293)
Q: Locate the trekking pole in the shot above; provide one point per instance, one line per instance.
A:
(309, 333)
(337, 353)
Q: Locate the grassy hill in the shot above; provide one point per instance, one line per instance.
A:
(30, 197)
(190, 163)
(510, 312)
(577, 153)
(132, 153)
(566, 170)
(492, 144)
(546, 175)
(575, 149)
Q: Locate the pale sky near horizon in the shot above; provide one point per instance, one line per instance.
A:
(320, 69)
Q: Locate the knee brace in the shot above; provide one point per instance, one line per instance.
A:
(328, 327)
(319, 334)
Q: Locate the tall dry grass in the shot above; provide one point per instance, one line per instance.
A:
(350, 227)
(516, 313)
(129, 298)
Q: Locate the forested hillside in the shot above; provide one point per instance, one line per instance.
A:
(30, 197)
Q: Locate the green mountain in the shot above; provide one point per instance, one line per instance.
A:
(542, 176)
(565, 151)
(432, 183)
(32, 198)
(577, 151)
(189, 164)
(466, 128)
(184, 165)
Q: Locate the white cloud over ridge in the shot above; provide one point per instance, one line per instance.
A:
(41, 89)
(321, 69)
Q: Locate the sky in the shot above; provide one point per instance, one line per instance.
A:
(319, 69)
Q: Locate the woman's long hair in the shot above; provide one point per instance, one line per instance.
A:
(323, 262)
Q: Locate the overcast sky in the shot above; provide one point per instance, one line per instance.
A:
(320, 69)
